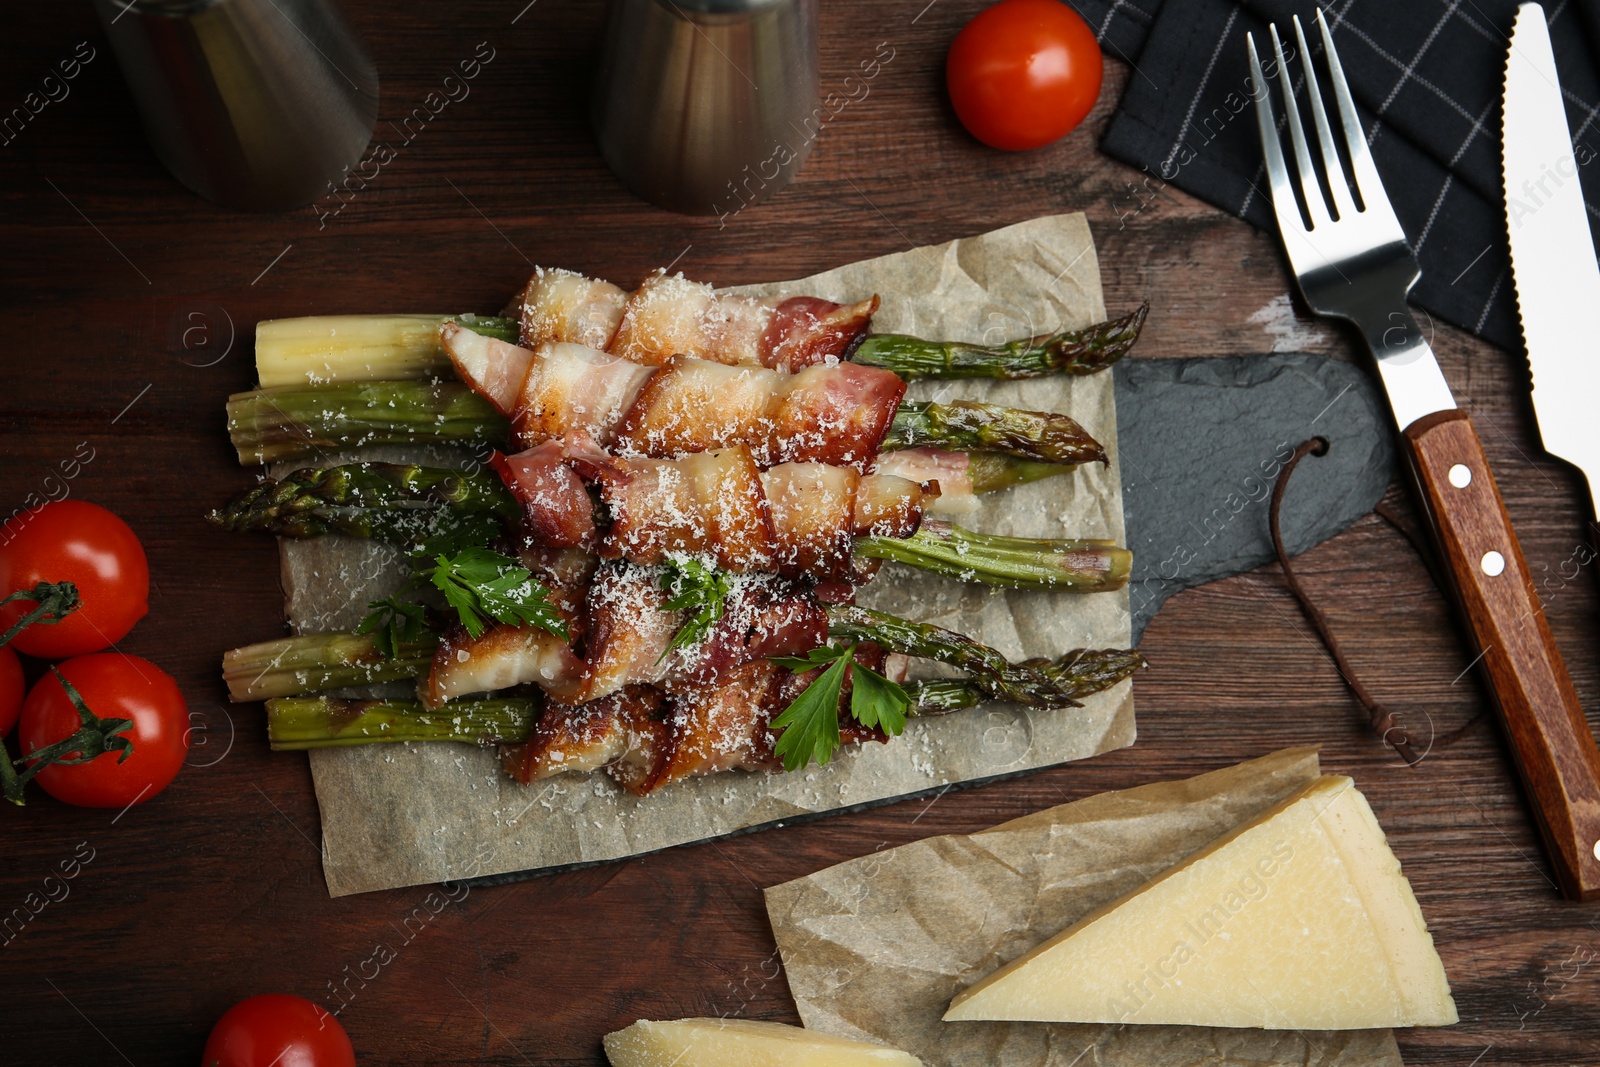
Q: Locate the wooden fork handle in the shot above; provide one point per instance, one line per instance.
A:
(1551, 742)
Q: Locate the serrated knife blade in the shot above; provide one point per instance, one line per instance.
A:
(1552, 254)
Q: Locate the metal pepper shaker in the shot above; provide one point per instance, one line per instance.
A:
(707, 106)
(254, 104)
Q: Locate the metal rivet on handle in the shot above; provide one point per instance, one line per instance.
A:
(1460, 476)
(1493, 563)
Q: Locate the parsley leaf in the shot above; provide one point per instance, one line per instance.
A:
(394, 622)
(696, 588)
(484, 586)
(876, 701)
(811, 724)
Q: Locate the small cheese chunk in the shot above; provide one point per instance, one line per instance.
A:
(1298, 920)
(742, 1042)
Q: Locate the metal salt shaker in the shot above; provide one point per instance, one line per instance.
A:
(707, 106)
(254, 104)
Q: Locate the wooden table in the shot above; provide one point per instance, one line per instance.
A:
(214, 891)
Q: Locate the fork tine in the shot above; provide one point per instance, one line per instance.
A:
(1343, 205)
(1283, 204)
(1368, 185)
(1316, 207)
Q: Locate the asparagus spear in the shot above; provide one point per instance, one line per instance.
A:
(428, 509)
(309, 663)
(353, 348)
(1038, 682)
(990, 472)
(1077, 674)
(1067, 565)
(323, 722)
(967, 425)
(345, 348)
(267, 425)
(1068, 352)
(326, 722)
(304, 509)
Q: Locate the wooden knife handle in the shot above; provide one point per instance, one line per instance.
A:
(1551, 742)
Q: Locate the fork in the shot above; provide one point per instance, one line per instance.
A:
(1351, 261)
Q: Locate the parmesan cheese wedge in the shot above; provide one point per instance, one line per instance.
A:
(742, 1042)
(1298, 920)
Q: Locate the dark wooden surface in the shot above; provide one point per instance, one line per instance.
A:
(214, 890)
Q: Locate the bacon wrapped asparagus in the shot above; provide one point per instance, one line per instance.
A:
(668, 316)
(642, 736)
(824, 522)
(831, 413)
(621, 617)
(647, 712)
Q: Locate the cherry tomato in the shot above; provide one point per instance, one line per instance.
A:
(278, 1030)
(12, 689)
(1023, 73)
(83, 543)
(114, 686)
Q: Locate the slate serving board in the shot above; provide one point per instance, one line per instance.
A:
(1201, 444)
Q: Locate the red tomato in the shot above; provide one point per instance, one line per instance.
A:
(114, 686)
(12, 688)
(278, 1030)
(1023, 73)
(83, 543)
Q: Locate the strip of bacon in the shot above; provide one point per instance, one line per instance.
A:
(630, 631)
(623, 733)
(813, 510)
(949, 469)
(557, 512)
(707, 504)
(646, 739)
(569, 391)
(695, 405)
(795, 519)
(838, 413)
(504, 656)
(722, 728)
(668, 316)
(494, 369)
(559, 305)
(805, 331)
(888, 505)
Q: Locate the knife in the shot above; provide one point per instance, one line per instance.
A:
(1558, 286)
(1552, 254)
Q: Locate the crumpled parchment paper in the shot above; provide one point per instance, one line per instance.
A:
(876, 947)
(395, 815)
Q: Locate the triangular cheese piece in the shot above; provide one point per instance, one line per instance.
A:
(744, 1043)
(1298, 920)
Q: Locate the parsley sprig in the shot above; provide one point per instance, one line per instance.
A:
(811, 724)
(393, 622)
(698, 589)
(482, 586)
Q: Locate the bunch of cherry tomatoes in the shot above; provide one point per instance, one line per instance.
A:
(86, 545)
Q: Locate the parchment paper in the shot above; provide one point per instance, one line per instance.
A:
(395, 815)
(875, 948)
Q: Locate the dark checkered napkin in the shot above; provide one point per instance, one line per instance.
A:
(1427, 76)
